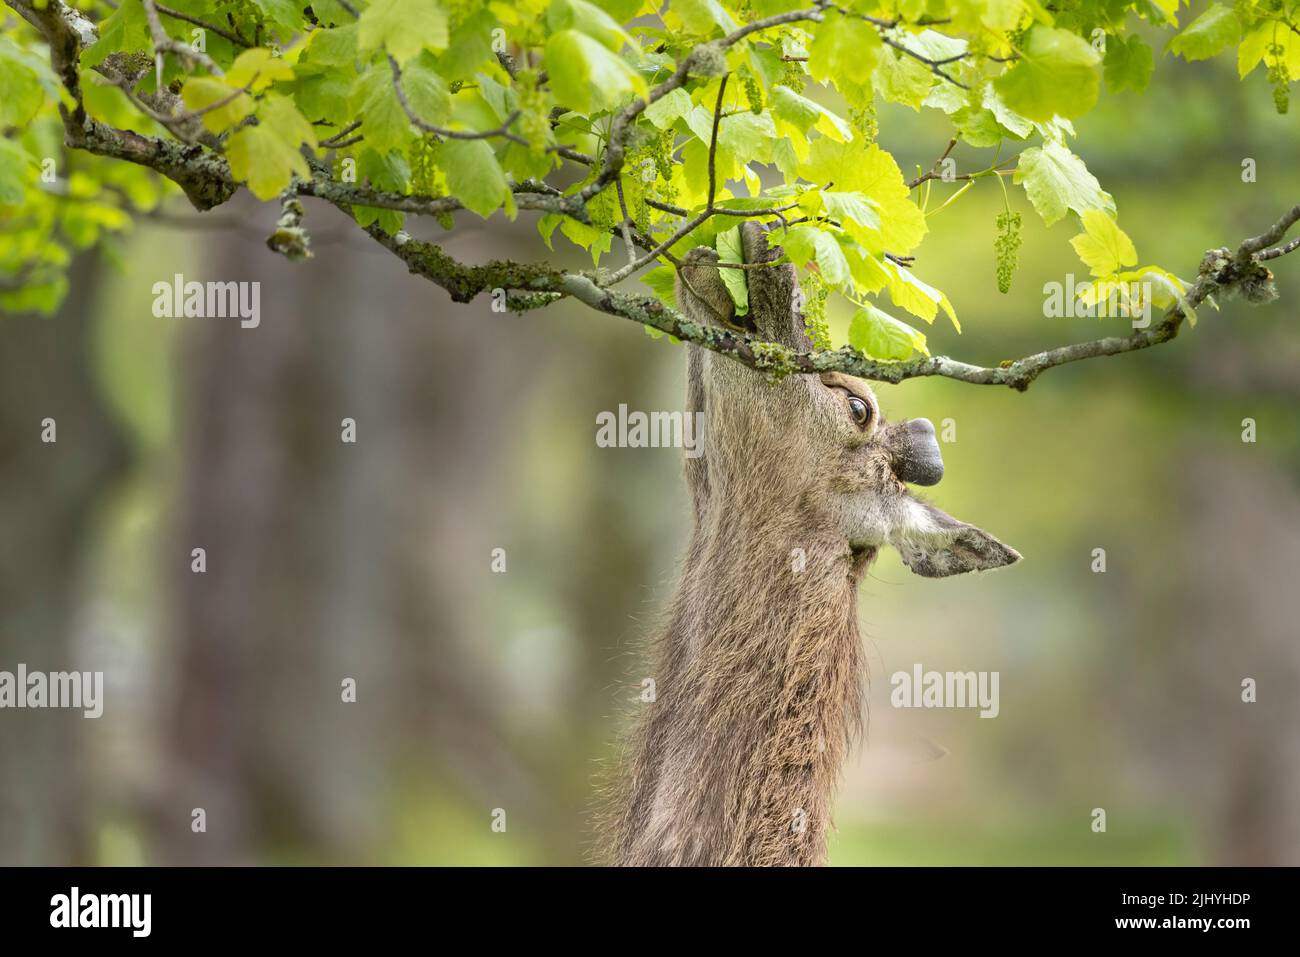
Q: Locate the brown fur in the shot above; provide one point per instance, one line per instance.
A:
(760, 671)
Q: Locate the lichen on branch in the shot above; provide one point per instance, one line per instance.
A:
(625, 133)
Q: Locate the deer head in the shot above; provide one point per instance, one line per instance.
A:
(759, 673)
(816, 444)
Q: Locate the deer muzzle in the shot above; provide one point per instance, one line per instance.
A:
(914, 452)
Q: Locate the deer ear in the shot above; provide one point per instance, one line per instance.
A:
(775, 300)
(935, 545)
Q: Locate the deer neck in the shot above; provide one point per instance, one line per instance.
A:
(758, 697)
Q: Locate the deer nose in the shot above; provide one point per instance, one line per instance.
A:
(914, 453)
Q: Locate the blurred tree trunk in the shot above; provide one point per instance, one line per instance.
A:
(327, 560)
(1238, 623)
(49, 496)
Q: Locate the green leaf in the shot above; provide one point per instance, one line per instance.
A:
(1129, 64)
(916, 296)
(702, 17)
(470, 46)
(843, 48)
(1103, 246)
(805, 243)
(382, 171)
(662, 281)
(23, 93)
(288, 13)
(597, 241)
(747, 136)
(1002, 14)
(473, 175)
(877, 334)
(323, 95)
(257, 69)
(666, 110)
(15, 168)
(902, 79)
(42, 297)
(1057, 181)
(856, 213)
(426, 90)
(589, 19)
(804, 114)
(1208, 35)
(730, 250)
(403, 27)
(1159, 12)
(267, 156)
(1054, 75)
(125, 30)
(1273, 43)
(873, 173)
(1015, 124)
(384, 123)
(586, 76)
(336, 47)
(546, 227)
(201, 92)
(978, 127)
(331, 12)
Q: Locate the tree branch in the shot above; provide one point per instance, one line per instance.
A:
(205, 177)
(621, 125)
(163, 43)
(1221, 271)
(503, 130)
(696, 222)
(234, 38)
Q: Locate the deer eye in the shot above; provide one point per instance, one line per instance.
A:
(860, 411)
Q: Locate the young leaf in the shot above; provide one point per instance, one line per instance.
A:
(873, 173)
(843, 48)
(267, 156)
(1056, 74)
(666, 110)
(384, 123)
(1209, 34)
(731, 251)
(201, 92)
(403, 27)
(1056, 181)
(805, 243)
(702, 17)
(586, 76)
(879, 335)
(257, 69)
(662, 281)
(803, 114)
(473, 175)
(902, 79)
(1103, 246)
(1129, 64)
(125, 30)
(589, 19)
(287, 13)
(917, 297)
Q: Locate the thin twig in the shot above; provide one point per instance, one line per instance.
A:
(163, 43)
(331, 141)
(234, 38)
(1277, 251)
(503, 130)
(694, 223)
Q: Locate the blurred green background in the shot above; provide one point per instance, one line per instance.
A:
(480, 691)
